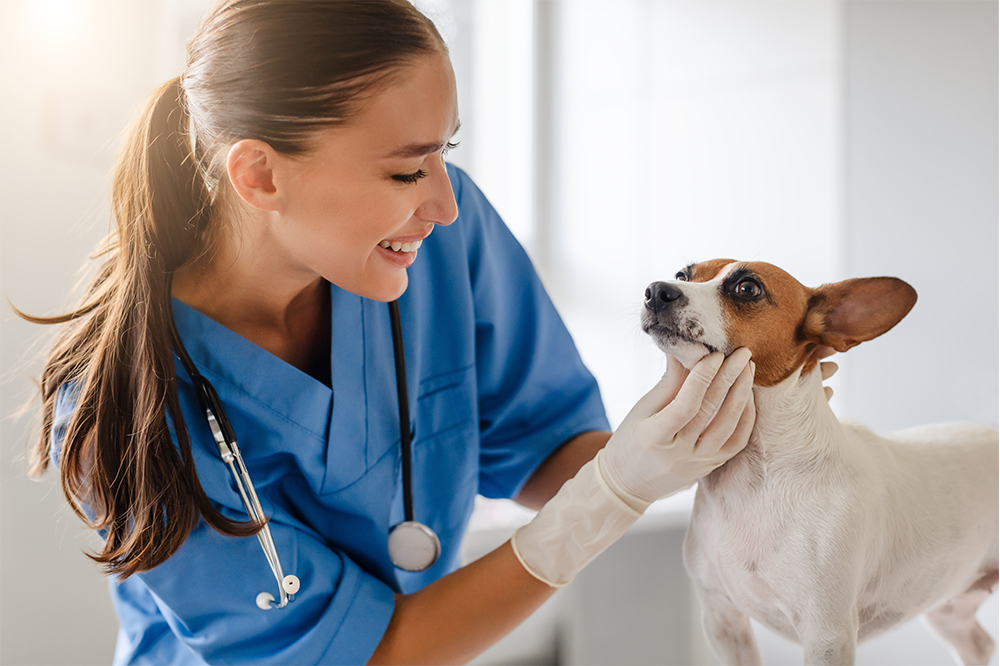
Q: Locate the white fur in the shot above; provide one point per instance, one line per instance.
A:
(830, 534)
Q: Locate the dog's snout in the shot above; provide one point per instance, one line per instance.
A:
(659, 295)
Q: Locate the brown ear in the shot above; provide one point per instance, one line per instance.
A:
(848, 313)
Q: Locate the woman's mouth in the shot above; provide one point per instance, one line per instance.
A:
(399, 253)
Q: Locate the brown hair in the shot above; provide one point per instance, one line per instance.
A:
(274, 70)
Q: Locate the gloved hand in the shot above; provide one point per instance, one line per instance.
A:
(827, 369)
(670, 439)
(667, 442)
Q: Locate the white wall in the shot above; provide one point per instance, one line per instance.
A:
(680, 132)
(921, 102)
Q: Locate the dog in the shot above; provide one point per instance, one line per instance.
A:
(819, 529)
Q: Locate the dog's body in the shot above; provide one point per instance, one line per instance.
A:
(829, 534)
(822, 530)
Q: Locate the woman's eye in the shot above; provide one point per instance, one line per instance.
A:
(748, 289)
(410, 178)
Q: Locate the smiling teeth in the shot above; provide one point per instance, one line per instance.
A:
(396, 246)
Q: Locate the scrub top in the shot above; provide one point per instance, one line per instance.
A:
(495, 385)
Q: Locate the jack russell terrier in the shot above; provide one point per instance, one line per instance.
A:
(824, 531)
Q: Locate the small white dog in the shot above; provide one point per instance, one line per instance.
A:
(822, 530)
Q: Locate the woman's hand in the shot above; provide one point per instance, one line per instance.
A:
(689, 424)
(827, 369)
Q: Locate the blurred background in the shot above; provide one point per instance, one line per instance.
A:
(620, 140)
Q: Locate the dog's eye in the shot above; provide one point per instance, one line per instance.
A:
(682, 276)
(748, 289)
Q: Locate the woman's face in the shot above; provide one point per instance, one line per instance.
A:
(380, 178)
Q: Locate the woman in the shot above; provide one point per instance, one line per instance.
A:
(271, 200)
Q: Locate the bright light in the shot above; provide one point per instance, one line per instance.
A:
(57, 27)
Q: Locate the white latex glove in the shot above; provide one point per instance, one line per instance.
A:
(827, 369)
(667, 442)
(684, 428)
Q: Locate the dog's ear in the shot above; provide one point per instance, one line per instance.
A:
(844, 314)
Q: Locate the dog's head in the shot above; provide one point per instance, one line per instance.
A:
(721, 305)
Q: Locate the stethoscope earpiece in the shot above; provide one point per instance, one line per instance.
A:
(290, 584)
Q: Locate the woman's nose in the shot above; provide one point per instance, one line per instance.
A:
(439, 206)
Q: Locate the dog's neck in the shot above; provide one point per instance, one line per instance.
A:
(795, 426)
(794, 415)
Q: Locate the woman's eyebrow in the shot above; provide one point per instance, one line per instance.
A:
(419, 149)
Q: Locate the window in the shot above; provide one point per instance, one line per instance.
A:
(623, 140)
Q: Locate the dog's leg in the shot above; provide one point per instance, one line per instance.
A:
(728, 631)
(832, 641)
(955, 621)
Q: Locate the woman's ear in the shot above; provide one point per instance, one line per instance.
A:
(251, 165)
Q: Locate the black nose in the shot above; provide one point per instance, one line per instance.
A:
(660, 295)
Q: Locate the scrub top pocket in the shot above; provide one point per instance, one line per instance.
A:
(445, 402)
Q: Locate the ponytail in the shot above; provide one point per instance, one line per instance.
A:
(119, 462)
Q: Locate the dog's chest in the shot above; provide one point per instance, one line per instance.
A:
(741, 561)
(757, 536)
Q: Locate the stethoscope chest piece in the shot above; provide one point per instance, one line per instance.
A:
(413, 546)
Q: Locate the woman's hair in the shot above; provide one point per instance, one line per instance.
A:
(274, 70)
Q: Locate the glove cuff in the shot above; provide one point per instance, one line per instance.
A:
(613, 480)
(585, 517)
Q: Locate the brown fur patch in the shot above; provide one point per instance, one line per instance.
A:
(707, 270)
(770, 327)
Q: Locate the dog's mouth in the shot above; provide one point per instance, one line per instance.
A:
(669, 336)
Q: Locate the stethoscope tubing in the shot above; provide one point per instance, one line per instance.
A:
(404, 408)
(229, 450)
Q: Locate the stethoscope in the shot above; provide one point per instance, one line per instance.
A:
(412, 546)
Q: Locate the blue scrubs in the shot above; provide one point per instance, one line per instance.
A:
(495, 385)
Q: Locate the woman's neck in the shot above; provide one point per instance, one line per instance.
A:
(257, 295)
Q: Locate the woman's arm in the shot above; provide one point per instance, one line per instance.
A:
(455, 618)
(562, 465)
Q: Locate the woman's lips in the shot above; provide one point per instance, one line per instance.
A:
(402, 251)
(401, 259)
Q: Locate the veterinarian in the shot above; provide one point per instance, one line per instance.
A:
(269, 203)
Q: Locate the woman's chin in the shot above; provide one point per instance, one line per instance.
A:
(386, 286)
(387, 290)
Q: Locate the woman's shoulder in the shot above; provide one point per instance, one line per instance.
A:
(458, 178)
(470, 199)
(478, 221)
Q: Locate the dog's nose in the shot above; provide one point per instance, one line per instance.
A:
(659, 295)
